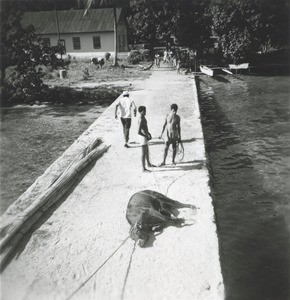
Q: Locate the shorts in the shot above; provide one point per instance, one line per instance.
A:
(171, 138)
(142, 140)
(172, 142)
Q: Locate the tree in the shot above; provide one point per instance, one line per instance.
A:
(245, 27)
(24, 51)
(152, 20)
(194, 25)
(188, 21)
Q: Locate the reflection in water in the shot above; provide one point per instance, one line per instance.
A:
(246, 126)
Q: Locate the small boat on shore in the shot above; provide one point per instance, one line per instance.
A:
(240, 66)
(206, 70)
(227, 71)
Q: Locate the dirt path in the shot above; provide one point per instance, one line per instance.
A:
(80, 250)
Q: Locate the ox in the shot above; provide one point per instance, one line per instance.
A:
(149, 211)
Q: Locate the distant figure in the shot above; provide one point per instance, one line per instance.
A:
(157, 60)
(107, 56)
(144, 137)
(173, 136)
(174, 61)
(165, 56)
(125, 105)
(178, 66)
(86, 74)
(170, 54)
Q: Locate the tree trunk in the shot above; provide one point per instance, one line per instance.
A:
(115, 38)
(3, 73)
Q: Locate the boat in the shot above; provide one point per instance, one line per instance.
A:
(206, 70)
(240, 66)
(227, 71)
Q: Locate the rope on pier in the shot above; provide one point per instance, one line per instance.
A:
(84, 283)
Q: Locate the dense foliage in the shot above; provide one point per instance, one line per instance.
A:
(194, 26)
(152, 20)
(22, 50)
(244, 27)
(241, 28)
(137, 56)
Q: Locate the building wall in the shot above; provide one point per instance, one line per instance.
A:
(86, 42)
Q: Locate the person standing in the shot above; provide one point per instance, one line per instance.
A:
(157, 60)
(144, 137)
(173, 135)
(125, 105)
(165, 56)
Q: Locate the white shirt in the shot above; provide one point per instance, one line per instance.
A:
(125, 105)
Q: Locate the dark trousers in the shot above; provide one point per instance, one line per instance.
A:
(126, 122)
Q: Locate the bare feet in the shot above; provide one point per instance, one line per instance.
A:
(151, 166)
(162, 164)
(146, 171)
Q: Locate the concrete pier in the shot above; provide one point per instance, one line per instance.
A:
(80, 248)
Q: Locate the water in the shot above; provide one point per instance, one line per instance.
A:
(32, 138)
(246, 123)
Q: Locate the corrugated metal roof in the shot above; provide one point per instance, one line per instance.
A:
(71, 21)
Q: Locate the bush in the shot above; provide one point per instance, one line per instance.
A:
(67, 95)
(24, 88)
(135, 57)
(146, 53)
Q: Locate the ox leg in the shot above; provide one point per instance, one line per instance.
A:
(155, 219)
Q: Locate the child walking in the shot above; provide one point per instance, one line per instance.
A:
(144, 137)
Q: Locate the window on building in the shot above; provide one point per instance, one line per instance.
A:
(46, 41)
(97, 42)
(76, 43)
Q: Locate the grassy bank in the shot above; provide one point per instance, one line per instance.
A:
(82, 72)
(76, 73)
(83, 83)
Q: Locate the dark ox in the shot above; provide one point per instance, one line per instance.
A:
(150, 211)
(98, 61)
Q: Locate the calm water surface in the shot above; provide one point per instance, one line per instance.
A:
(246, 123)
(32, 138)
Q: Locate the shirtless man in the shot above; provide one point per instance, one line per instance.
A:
(144, 137)
(173, 136)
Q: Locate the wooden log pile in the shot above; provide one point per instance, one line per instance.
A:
(14, 232)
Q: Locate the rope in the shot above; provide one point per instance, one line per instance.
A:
(83, 284)
(156, 181)
(127, 273)
(153, 171)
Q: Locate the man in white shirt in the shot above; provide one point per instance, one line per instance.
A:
(125, 104)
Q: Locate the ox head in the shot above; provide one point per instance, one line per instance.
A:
(139, 231)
